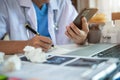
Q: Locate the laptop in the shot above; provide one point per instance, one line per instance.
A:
(113, 52)
(99, 50)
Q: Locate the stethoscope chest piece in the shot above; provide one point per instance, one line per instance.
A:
(56, 27)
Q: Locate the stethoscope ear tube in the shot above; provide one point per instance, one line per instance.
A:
(55, 20)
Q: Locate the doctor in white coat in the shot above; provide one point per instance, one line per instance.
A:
(14, 14)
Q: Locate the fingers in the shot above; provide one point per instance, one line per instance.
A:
(42, 45)
(85, 25)
(77, 35)
(72, 31)
(42, 42)
(45, 39)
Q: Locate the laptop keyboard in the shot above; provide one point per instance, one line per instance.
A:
(113, 52)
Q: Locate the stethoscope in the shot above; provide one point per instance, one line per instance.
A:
(55, 19)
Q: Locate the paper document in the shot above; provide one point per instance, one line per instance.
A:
(64, 49)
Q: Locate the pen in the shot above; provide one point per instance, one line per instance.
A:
(32, 30)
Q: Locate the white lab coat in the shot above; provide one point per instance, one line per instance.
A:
(13, 19)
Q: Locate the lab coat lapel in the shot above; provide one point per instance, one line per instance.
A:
(30, 12)
(30, 15)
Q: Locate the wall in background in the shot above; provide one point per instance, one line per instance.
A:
(81, 4)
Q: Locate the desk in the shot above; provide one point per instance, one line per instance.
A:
(55, 72)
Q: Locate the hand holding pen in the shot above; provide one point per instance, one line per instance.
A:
(39, 41)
